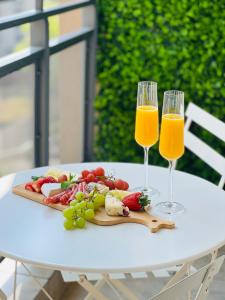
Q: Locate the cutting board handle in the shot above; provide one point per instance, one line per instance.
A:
(154, 223)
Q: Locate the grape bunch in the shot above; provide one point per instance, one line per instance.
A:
(82, 209)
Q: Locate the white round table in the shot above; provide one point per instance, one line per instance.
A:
(34, 233)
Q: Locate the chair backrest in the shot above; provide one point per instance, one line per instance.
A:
(197, 146)
(199, 280)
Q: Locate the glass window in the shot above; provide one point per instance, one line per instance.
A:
(12, 7)
(67, 105)
(17, 121)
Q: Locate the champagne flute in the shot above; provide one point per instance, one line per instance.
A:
(171, 145)
(146, 126)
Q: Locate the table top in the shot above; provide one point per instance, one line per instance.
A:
(34, 233)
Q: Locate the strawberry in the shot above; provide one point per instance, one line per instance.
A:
(29, 187)
(48, 179)
(36, 186)
(136, 201)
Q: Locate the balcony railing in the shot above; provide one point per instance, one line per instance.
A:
(39, 52)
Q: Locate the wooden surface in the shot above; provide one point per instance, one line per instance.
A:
(101, 218)
(152, 222)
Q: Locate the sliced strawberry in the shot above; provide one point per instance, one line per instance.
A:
(136, 201)
(36, 186)
(49, 179)
(29, 187)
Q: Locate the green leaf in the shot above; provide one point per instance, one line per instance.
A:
(34, 178)
(65, 184)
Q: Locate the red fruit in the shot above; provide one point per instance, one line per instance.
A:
(109, 183)
(29, 187)
(50, 179)
(36, 186)
(99, 171)
(62, 178)
(136, 201)
(126, 185)
(90, 178)
(119, 184)
(85, 173)
(41, 181)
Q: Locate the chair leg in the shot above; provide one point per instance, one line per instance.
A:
(178, 276)
(37, 282)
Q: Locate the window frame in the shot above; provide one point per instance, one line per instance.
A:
(39, 52)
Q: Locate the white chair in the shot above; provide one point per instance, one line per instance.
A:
(215, 126)
(215, 160)
(200, 280)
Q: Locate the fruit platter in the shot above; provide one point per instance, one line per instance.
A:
(91, 196)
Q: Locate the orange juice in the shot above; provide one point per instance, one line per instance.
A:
(171, 145)
(146, 127)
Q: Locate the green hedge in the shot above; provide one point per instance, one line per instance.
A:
(179, 44)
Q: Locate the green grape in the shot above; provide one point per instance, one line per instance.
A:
(77, 206)
(89, 214)
(83, 204)
(96, 204)
(73, 202)
(79, 196)
(80, 213)
(90, 205)
(100, 199)
(69, 224)
(80, 222)
(68, 213)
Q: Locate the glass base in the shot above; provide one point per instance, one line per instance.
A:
(149, 191)
(170, 208)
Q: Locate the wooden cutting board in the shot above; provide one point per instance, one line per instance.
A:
(101, 218)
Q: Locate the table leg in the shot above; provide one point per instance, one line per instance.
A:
(214, 255)
(91, 289)
(99, 284)
(14, 282)
(120, 286)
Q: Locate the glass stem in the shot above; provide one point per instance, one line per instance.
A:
(146, 165)
(171, 181)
